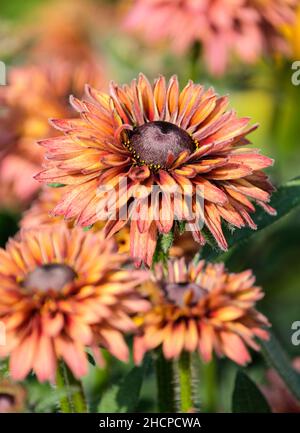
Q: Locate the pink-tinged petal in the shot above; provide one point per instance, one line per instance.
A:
(234, 348)
(213, 222)
(229, 171)
(45, 360)
(23, 356)
(210, 191)
(229, 214)
(52, 325)
(139, 349)
(250, 190)
(191, 336)
(205, 344)
(228, 313)
(115, 343)
(150, 108)
(252, 160)
(142, 245)
(172, 99)
(73, 353)
(159, 92)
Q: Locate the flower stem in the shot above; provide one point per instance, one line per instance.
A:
(185, 382)
(74, 400)
(194, 61)
(209, 376)
(165, 383)
(65, 402)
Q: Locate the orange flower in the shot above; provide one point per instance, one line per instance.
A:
(62, 291)
(200, 308)
(157, 139)
(39, 215)
(34, 94)
(66, 29)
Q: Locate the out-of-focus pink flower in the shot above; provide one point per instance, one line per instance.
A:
(34, 94)
(246, 28)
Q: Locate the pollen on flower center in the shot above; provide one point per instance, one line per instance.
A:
(177, 292)
(152, 142)
(50, 276)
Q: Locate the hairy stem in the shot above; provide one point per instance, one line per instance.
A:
(210, 388)
(165, 383)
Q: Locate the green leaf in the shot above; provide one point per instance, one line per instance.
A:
(285, 199)
(181, 227)
(164, 243)
(167, 241)
(247, 398)
(124, 396)
(55, 185)
(277, 358)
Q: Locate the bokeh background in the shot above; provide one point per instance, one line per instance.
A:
(45, 32)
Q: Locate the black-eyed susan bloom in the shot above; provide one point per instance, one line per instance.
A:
(141, 138)
(200, 308)
(63, 291)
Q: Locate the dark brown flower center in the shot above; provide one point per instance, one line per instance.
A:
(176, 292)
(152, 142)
(51, 276)
(6, 402)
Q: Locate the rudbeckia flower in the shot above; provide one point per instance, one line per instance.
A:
(151, 155)
(246, 28)
(63, 291)
(200, 308)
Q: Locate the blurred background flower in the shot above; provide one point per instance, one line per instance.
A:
(279, 397)
(34, 94)
(246, 28)
(12, 397)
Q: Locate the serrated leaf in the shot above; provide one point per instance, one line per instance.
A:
(181, 227)
(277, 358)
(247, 398)
(167, 241)
(123, 397)
(285, 199)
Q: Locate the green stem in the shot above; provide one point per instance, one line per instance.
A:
(65, 402)
(185, 382)
(194, 62)
(209, 371)
(165, 383)
(74, 402)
